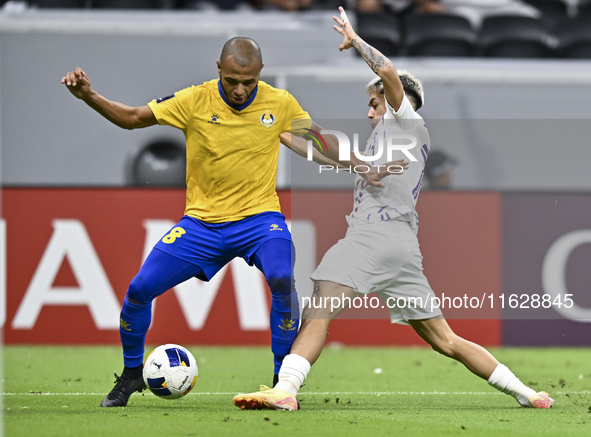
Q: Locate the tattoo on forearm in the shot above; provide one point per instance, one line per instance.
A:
(374, 58)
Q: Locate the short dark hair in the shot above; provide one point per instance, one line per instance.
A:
(244, 51)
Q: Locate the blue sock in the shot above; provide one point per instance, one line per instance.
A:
(134, 323)
(284, 326)
(275, 258)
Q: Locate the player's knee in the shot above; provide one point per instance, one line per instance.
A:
(281, 284)
(139, 291)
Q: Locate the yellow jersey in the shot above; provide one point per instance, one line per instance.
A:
(232, 151)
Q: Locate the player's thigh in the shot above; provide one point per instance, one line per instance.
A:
(247, 237)
(367, 258)
(197, 243)
(328, 300)
(160, 272)
(408, 294)
(275, 259)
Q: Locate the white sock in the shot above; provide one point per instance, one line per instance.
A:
(293, 373)
(504, 380)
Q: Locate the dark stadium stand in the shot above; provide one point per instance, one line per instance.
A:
(382, 31)
(168, 4)
(574, 38)
(550, 7)
(126, 4)
(584, 8)
(554, 12)
(59, 4)
(439, 35)
(507, 36)
(196, 4)
(562, 31)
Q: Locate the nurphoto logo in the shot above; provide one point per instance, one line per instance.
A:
(394, 142)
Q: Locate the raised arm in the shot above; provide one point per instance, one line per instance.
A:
(380, 64)
(126, 117)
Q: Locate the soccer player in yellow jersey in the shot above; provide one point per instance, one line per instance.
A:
(232, 127)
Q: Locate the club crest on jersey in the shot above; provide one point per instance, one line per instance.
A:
(267, 119)
(214, 119)
(275, 227)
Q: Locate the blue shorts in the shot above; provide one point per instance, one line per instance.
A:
(211, 246)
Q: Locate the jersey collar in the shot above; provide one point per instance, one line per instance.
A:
(237, 107)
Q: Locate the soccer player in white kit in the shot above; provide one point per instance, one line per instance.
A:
(380, 252)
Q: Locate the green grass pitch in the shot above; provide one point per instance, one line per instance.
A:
(55, 391)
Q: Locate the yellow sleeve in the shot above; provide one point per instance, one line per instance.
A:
(296, 112)
(174, 110)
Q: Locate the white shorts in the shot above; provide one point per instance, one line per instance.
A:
(384, 258)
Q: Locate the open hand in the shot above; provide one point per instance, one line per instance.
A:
(345, 29)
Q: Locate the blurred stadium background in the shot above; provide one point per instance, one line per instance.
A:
(508, 105)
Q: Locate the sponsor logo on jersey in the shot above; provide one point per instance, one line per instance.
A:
(163, 99)
(287, 325)
(267, 119)
(275, 227)
(214, 119)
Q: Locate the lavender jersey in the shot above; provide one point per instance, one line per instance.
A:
(398, 198)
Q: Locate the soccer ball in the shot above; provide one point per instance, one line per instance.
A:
(170, 371)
